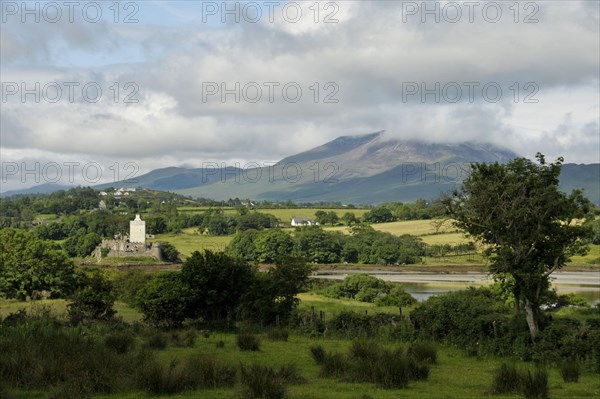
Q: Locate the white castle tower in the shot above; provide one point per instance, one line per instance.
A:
(137, 230)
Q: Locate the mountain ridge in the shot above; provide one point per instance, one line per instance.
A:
(363, 169)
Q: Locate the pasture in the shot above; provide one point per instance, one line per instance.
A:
(456, 375)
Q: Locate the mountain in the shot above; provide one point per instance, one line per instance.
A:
(366, 169)
(45, 188)
(363, 169)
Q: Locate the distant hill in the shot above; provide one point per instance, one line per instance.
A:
(45, 188)
(366, 169)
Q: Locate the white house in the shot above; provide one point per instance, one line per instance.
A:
(299, 221)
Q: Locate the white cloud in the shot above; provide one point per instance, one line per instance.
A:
(371, 54)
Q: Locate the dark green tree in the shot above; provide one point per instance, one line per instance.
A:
(29, 266)
(529, 227)
(349, 218)
(165, 300)
(243, 245)
(216, 282)
(273, 244)
(169, 252)
(93, 299)
(380, 214)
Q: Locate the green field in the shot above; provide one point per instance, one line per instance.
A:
(425, 229)
(190, 240)
(456, 375)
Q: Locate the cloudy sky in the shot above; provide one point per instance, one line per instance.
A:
(137, 85)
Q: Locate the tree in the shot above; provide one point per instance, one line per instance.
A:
(380, 214)
(93, 299)
(272, 245)
(169, 252)
(29, 266)
(319, 246)
(217, 282)
(349, 218)
(243, 245)
(165, 300)
(273, 296)
(529, 227)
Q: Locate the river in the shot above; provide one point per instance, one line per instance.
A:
(424, 285)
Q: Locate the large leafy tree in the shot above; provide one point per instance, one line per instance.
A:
(217, 283)
(529, 227)
(29, 266)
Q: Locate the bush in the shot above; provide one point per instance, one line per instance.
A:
(506, 380)
(211, 373)
(569, 371)
(278, 334)
(128, 285)
(119, 341)
(196, 373)
(185, 339)
(247, 342)
(396, 297)
(391, 370)
(535, 386)
(367, 361)
(290, 374)
(261, 382)
(156, 340)
(334, 365)
(362, 349)
(318, 354)
(424, 352)
(40, 353)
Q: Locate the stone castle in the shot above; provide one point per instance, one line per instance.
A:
(134, 245)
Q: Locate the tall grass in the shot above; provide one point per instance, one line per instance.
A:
(247, 342)
(509, 379)
(261, 382)
(367, 361)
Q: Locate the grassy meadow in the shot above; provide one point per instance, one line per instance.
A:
(455, 375)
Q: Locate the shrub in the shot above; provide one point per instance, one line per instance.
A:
(247, 342)
(159, 380)
(535, 386)
(185, 339)
(318, 354)
(196, 373)
(211, 373)
(290, 374)
(119, 341)
(278, 334)
(362, 349)
(396, 297)
(506, 380)
(128, 285)
(391, 370)
(156, 340)
(261, 382)
(424, 352)
(334, 365)
(569, 371)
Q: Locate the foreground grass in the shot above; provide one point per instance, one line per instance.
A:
(455, 375)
